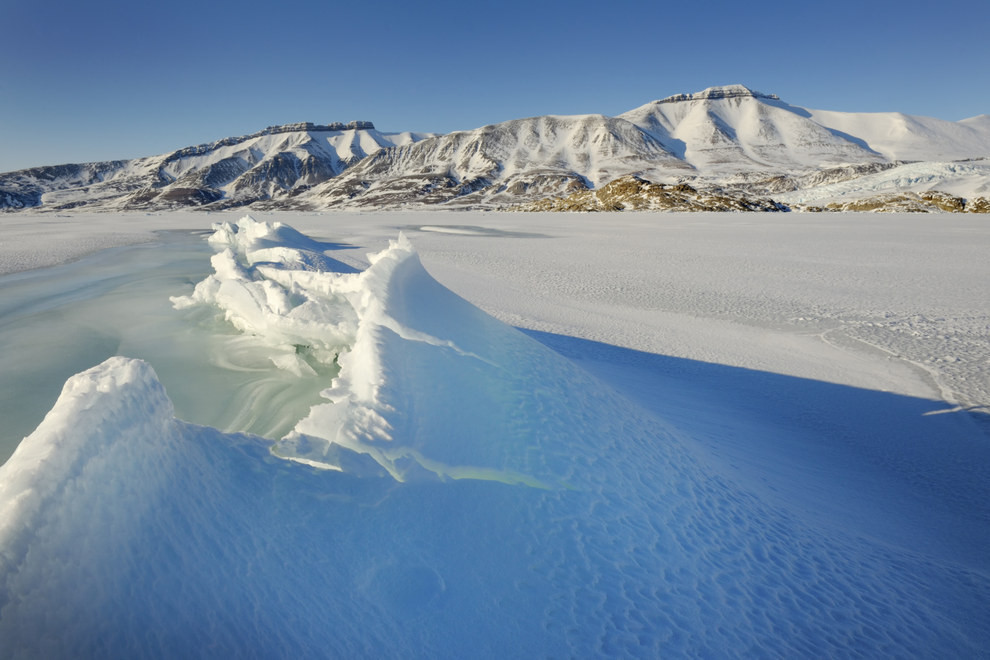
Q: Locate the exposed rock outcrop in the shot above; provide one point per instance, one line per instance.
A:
(910, 202)
(635, 194)
(724, 92)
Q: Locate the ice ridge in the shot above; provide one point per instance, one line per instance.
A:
(271, 283)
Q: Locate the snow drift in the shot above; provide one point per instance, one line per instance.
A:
(487, 498)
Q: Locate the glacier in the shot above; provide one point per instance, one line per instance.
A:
(459, 488)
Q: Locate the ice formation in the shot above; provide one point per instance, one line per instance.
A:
(488, 498)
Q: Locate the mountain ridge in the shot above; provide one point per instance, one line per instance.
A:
(724, 140)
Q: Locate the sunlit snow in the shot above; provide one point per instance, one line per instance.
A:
(570, 489)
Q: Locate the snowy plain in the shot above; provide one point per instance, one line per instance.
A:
(707, 435)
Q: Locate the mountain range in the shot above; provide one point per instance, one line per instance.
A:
(748, 149)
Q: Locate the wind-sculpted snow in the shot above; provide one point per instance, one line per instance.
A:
(490, 499)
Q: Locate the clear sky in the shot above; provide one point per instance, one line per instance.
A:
(113, 79)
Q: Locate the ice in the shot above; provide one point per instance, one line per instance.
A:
(467, 231)
(495, 493)
(58, 321)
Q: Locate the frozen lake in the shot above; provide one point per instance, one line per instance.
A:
(889, 303)
(813, 388)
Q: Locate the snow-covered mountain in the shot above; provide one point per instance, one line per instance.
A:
(905, 137)
(723, 139)
(733, 131)
(505, 163)
(279, 161)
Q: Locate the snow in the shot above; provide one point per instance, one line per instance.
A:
(345, 145)
(909, 137)
(233, 166)
(729, 136)
(715, 436)
(963, 179)
(559, 149)
(723, 136)
(726, 136)
(29, 242)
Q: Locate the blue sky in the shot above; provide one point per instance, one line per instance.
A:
(110, 79)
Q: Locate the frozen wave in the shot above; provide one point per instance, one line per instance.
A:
(541, 513)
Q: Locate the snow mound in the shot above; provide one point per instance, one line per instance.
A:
(73, 497)
(45, 470)
(490, 498)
